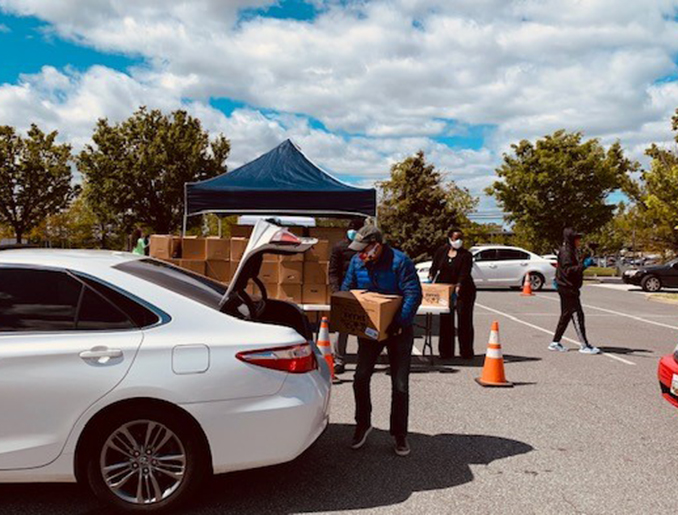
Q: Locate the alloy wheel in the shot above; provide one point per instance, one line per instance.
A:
(536, 282)
(143, 462)
(653, 284)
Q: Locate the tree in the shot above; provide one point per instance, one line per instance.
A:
(417, 208)
(35, 178)
(558, 182)
(136, 170)
(72, 227)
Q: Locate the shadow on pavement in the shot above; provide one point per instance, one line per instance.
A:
(331, 477)
(627, 351)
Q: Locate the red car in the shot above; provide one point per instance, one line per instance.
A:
(668, 377)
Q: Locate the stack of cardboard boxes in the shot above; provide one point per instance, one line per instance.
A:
(300, 278)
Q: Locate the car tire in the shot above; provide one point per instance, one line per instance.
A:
(125, 471)
(651, 284)
(537, 281)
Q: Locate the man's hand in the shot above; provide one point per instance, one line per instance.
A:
(394, 328)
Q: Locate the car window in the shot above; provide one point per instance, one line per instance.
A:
(37, 300)
(97, 313)
(511, 254)
(486, 255)
(138, 314)
(183, 282)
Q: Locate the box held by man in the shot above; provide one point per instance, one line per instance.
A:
(363, 314)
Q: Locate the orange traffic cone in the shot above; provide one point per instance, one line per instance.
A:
(527, 286)
(493, 370)
(324, 344)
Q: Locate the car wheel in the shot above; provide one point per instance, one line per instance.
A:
(146, 460)
(537, 281)
(651, 284)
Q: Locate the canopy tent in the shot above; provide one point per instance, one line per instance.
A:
(281, 182)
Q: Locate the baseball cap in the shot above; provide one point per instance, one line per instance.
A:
(368, 234)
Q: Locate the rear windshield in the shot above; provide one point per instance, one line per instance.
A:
(194, 286)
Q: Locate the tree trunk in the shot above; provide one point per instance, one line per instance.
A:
(19, 235)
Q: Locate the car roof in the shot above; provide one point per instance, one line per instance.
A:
(76, 259)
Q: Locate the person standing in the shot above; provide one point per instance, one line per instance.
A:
(138, 243)
(379, 268)
(452, 264)
(339, 261)
(569, 280)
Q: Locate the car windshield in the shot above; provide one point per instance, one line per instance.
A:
(194, 286)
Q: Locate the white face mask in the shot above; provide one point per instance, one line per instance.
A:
(456, 244)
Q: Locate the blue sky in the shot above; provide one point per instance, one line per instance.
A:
(358, 85)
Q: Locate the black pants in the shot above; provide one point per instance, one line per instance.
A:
(399, 350)
(464, 329)
(570, 309)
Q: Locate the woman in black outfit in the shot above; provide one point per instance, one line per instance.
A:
(452, 264)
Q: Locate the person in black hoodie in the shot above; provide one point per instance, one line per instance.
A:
(569, 280)
(452, 264)
(340, 258)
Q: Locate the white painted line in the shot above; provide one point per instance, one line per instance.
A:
(548, 331)
(618, 313)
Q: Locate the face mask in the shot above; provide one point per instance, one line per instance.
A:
(371, 254)
(350, 234)
(456, 244)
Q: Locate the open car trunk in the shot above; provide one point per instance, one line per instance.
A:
(267, 238)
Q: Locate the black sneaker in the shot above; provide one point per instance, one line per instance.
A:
(401, 447)
(339, 368)
(360, 437)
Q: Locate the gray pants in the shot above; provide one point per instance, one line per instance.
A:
(340, 348)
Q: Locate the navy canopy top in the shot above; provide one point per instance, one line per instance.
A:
(282, 181)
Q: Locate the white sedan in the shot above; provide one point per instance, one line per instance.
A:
(499, 266)
(140, 379)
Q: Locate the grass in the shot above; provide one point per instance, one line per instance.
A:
(664, 297)
(600, 272)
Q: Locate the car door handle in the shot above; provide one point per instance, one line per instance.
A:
(101, 354)
(523, 264)
(493, 266)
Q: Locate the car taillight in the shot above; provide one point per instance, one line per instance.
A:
(285, 237)
(554, 265)
(295, 359)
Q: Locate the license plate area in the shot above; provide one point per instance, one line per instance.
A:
(674, 385)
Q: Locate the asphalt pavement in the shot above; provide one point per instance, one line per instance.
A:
(577, 434)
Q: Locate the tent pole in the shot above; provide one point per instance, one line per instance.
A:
(183, 228)
(219, 222)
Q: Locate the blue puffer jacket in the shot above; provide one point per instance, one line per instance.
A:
(393, 274)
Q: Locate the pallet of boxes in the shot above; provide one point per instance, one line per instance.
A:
(300, 278)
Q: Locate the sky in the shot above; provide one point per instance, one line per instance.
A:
(357, 84)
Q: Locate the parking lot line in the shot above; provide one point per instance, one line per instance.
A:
(548, 331)
(618, 313)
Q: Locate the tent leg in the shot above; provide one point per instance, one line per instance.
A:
(183, 229)
(219, 223)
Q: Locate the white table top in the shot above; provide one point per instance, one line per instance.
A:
(423, 310)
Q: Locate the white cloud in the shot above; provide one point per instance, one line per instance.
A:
(390, 72)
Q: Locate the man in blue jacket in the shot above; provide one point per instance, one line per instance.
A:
(379, 268)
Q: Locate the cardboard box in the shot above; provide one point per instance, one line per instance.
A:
(172, 261)
(193, 248)
(238, 246)
(218, 269)
(318, 252)
(437, 295)
(290, 272)
(363, 314)
(314, 293)
(290, 292)
(299, 256)
(234, 269)
(316, 272)
(162, 246)
(271, 258)
(194, 265)
(217, 248)
(268, 273)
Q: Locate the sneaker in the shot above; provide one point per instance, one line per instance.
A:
(339, 368)
(401, 447)
(360, 437)
(557, 346)
(589, 349)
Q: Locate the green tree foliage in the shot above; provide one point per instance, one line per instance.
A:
(73, 227)
(35, 178)
(136, 170)
(560, 181)
(417, 207)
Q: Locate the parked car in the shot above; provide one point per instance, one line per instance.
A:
(668, 377)
(498, 266)
(653, 278)
(139, 379)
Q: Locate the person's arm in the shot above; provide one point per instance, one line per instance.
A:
(435, 265)
(466, 266)
(568, 265)
(350, 282)
(336, 268)
(412, 295)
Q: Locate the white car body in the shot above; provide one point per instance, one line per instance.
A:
(50, 387)
(499, 266)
